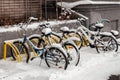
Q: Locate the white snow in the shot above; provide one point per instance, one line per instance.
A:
(84, 2)
(65, 28)
(93, 66)
(46, 31)
(32, 25)
(115, 32)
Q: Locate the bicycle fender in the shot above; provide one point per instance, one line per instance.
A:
(107, 34)
(59, 46)
(71, 39)
(70, 42)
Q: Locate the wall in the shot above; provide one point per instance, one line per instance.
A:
(98, 12)
(14, 11)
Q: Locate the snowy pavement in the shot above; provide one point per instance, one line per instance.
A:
(93, 66)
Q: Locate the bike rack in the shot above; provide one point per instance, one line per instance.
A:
(15, 49)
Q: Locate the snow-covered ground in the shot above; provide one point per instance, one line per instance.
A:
(93, 66)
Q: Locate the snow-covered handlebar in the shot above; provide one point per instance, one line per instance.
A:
(29, 20)
(103, 20)
(45, 25)
(99, 23)
(27, 23)
(32, 18)
(81, 19)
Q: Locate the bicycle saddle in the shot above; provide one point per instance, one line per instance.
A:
(99, 25)
(64, 29)
(114, 32)
(67, 30)
(46, 31)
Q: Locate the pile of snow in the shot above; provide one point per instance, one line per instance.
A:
(32, 25)
(84, 2)
(93, 66)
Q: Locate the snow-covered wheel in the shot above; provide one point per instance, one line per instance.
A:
(73, 54)
(106, 44)
(54, 57)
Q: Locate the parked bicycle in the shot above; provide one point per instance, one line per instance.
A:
(54, 55)
(102, 41)
(73, 54)
(108, 39)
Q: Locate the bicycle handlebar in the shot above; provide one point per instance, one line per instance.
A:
(104, 20)
(32, 18)
(100, 22)
(45, 25)
(81, 19)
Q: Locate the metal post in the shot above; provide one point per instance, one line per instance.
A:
(46, 17)
(56, 10)
(61, 3)
(61, 7)
(26, 12)
(41, 9)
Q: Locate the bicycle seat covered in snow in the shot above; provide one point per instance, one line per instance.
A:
(67, 30)
(99, 25)
(114, 32)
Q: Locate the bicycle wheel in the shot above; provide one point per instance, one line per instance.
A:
(106, 44)
(54, 57)
(22, 49)
(73, 54)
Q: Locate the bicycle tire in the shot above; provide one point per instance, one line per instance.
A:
(113, 46)
(52, 59)
(73, 54)
(72, 58)
(23, 50)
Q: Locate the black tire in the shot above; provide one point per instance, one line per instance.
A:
(22, 49)
(73, 54)
(56, 59)
(111, 44)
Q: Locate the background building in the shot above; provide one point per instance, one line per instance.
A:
(15, 11)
